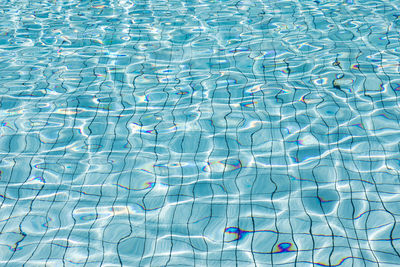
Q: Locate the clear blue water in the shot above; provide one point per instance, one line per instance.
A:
(199, 133)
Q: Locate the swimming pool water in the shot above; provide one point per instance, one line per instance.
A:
(199, 133)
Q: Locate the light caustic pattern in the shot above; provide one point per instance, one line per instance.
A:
(199, 133)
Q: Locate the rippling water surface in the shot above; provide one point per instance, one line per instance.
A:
(199, 133)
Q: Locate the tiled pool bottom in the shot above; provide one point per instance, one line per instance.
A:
(199, 133)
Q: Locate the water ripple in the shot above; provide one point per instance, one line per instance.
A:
(210, 133)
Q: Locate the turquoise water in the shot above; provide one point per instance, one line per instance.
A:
(199, 133)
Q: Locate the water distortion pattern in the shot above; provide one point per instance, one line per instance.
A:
(199, 133)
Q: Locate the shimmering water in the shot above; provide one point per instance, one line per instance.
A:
(199, 133)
